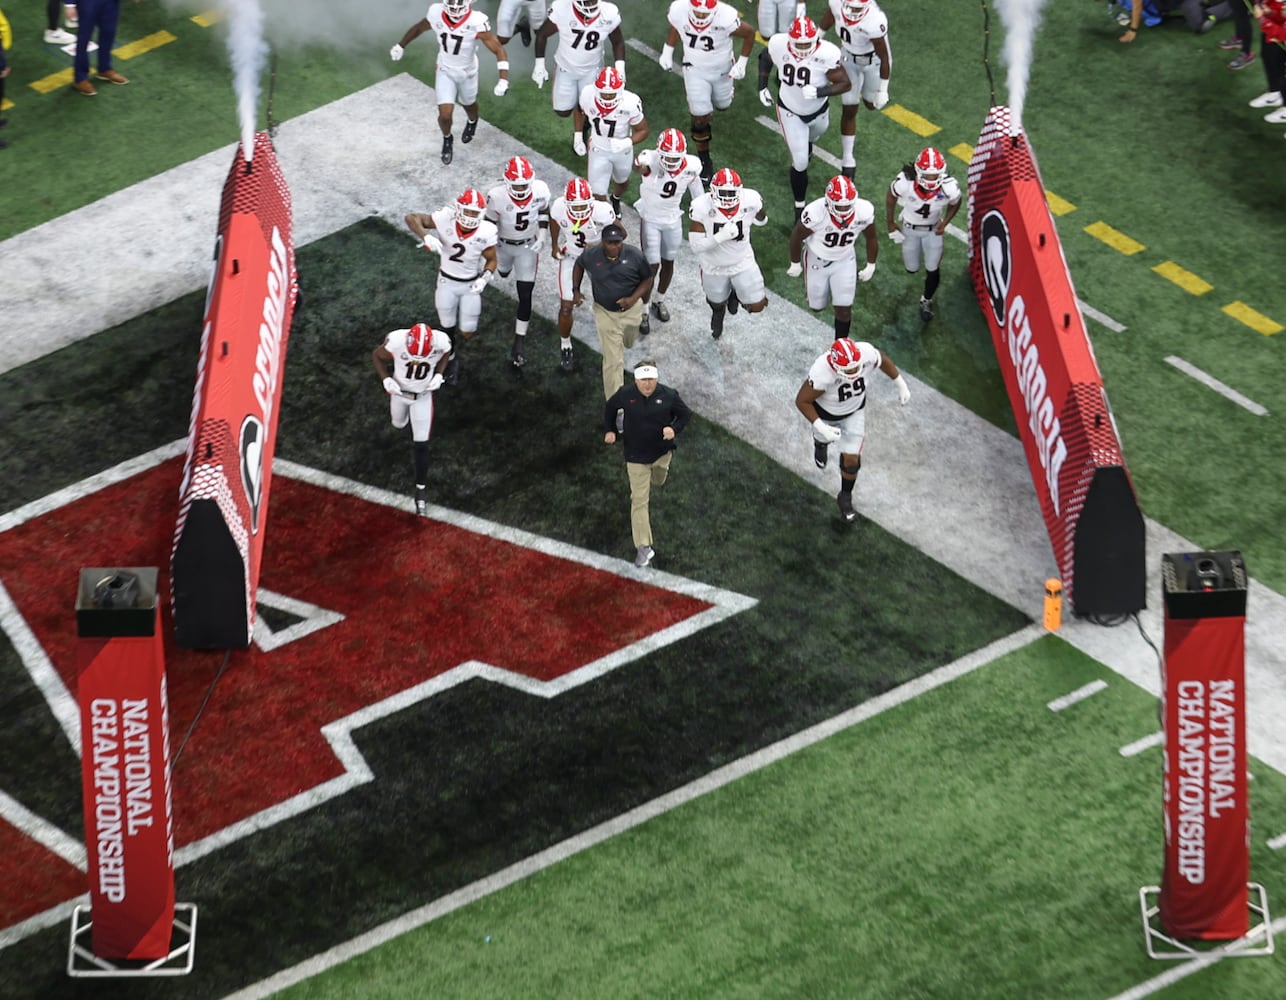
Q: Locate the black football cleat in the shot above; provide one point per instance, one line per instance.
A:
(469, 128)
(645, 325)
(659, 310)
(926, 309)
(845, 503)
(448, 148)
(734, 303)
(515, 353)
(524, 32)
(421, 501)
(452, 374)
(820, 451)
(716, 324)
(848, 172)
(566, 359)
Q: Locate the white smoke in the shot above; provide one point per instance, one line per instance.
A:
(1021, 19)
(247, 51)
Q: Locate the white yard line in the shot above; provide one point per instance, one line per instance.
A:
(1080, 694)
(1226, 391)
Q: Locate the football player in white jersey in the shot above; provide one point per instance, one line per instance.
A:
(668, 173)
(458, 29)
(823, 246)
(519, 209)
(584, 29)
(466, 243)
(808, 73)
(775, 15)
(509, 20)
(616, 125)
(863, 30)
(576, 221)
(411, 364)
(719, 231)
(707, 28)
(832, 399)
(929, 198)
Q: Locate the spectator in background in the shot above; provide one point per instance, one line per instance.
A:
(55, 35)
(6, 39)
(1239, 10)
(100, 16)
(652, 416)
(1271, 15)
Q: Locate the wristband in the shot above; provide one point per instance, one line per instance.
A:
(502, 64)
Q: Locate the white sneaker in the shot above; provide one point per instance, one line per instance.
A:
(56, 36)
(1276, 117)
(1271, 99)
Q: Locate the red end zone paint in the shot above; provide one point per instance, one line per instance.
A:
(419, 597)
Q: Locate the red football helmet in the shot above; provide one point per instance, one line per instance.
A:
(854, 10)
(419, 341)
(725, 190)
(701, 13)
(930, 168)
(456, 10)
(672, 146)
(580, 199)
(518, 177)
(803, 37)
(586, 10)
(840, 195)
(845, 359)
(470, 207)
(609, 85)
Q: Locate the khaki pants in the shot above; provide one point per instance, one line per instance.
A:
(642, 479)
(616, 331)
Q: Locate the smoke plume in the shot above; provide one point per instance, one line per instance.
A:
(1021, 19)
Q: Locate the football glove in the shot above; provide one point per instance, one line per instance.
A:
(897, 236)
(391, 387)
(809, 92)
(738, 71)
(578, 144)
(432, 243)
(866, 272)
(395, 53)
(501, 88)
(903, 392)
(795, 269)
(539, 74)
(435, 382)
(765, 97)
(822, 431)
(881, 96)
(666, 62)
(726, 233)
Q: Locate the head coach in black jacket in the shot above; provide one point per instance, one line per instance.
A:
(652, 416)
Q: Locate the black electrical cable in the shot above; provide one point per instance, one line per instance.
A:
(204, 702)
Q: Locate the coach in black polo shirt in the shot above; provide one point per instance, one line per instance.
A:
(619, 277)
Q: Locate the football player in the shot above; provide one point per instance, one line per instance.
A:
(576, 221)
(507, 19)
(832, 399)
(519, 209)
(863, 30)
(707, 28)
(616, 124)
(719, 231)
(466, 243)
(458, 30)
(826, 237)
(929, 198)
(417, 358)
(668, 173)
(584, 28)
(775, 15)
(808, 73)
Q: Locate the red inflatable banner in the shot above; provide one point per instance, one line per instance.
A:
(223, 503)
(1207, 815)
(125, 764)
(1021, 279)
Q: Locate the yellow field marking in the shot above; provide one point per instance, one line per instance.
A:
(909, 119)
(48, 84)
(1184, 278)
(145, 44)
(962, 151)
(207, 18)
(1114, 238)
(6, 104)
(1257, 321)
(1057, 205)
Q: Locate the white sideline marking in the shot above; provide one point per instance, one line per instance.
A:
(42, 831)
(1278, 842)
(1080, 694)
(1138, 746)
(1190, 966)
(1227, 391)
(338, 733)
(314, 620)
(636, 817)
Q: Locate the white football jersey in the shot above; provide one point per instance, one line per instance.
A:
(462, 248)
(581, 43)
(828, 240)
(735, 254)
(857, 36)
(795, 74)
(457, 43)
(413, 374)
(920, 207)
(661, 191)
(576, 236)
(514, 221)
(710, 46)
(610, 131)
(840, 395)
